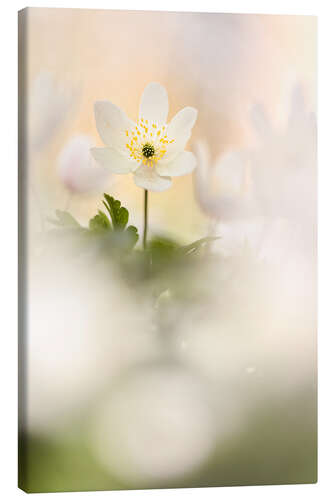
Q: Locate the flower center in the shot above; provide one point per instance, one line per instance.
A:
(147, 142)
(148, 150)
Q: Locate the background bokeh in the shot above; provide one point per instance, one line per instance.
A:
(220, 64)
(212, 380)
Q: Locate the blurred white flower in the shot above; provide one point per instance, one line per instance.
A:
(224, 192)
(284, 166)
(223, 189)
(77, 169)
(257, 315)
(49, 104)
(82, 331)
(151, 149)
(157, 425)
(252, 193)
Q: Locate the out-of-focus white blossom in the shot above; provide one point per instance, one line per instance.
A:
(82, 331)
(49, 104)
(254, 338)
(224, 192)
(223, 189)
(151, 149)
(284, 166)
(253, 193)
(158, 425)
(78, 170)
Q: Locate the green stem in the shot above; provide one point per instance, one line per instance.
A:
(145, 227)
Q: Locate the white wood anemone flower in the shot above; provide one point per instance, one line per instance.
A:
(78, 170)
(270, 185)
(49, 105)
(151, 149)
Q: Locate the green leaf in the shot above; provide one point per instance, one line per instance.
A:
(99, 222)
(118, 214)
(64, 219)
(123, 240)
(133, 236)
(162, 244)
(196, 245)
(119, 238)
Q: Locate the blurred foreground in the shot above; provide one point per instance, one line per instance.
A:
(174, 366)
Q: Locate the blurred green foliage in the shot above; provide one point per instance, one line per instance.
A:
(278, 445)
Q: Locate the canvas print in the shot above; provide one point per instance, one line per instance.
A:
(167, 260)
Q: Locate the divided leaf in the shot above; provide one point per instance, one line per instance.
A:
(64, 219)
(196, 245)
(118, 214)
(121, 237)
(133, 236)
(99, 222)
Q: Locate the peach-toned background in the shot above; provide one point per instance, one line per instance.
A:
(219, 63)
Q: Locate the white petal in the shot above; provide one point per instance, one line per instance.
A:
(230, 172)
(260, 122)
(202, 174)
(154, 105)
(112, 123)
(297, 104)
(77, 169)
(113, 160)
(202, 154)
(147, 178)
(180, 129)
(184, 163)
